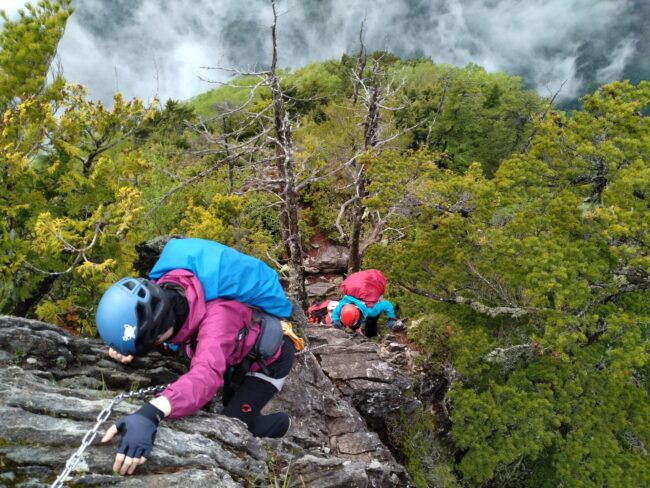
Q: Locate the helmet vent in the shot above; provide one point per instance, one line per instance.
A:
(142, 293)
(141, 314)
(129, 284)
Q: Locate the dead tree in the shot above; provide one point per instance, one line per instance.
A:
(262, 141)
(286, 167)
(372, 90)
(373, 97)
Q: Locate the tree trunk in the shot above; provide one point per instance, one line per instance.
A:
(289, 218)
(285, 164)
(356, 223)
(358, 208)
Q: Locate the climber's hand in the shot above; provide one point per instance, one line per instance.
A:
(138, 435)
(120, 358)
(337, 324)
(399, 326)
(390, 323)
(123, 464)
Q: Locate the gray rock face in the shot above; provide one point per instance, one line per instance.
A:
(53, 385)
(323, 286)
(327, 258)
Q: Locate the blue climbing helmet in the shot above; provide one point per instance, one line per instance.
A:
(132, 315)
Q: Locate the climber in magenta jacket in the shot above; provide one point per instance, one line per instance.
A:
(215, 325)
(136, 314)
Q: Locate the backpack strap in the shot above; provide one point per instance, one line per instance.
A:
(239, 373)
(268, 341)
(243, 332)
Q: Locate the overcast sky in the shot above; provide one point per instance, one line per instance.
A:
(144, 47)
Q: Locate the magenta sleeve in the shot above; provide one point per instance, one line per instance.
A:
(206, 375)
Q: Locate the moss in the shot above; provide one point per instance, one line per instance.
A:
(7, 466)
(21, 443)
(414, 440)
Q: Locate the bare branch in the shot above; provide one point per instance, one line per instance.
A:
(542, 117)
(502, 355)
(342, 212)
(235, 72)
(641, 284)
(193, 179)
(361, 63)
(514, 312)
(31, 267)
(80, 252)
(318, 174)
(277, 264)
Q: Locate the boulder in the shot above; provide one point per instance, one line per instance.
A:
(323, 286)
(327, 258)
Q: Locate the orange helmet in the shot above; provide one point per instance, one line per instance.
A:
(350, 315)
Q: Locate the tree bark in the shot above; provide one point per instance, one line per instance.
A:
(356, 224)
(358, 208)
(285, 164)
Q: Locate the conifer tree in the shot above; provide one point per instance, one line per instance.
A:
(543, 276)
(69, 179)
(28, 48)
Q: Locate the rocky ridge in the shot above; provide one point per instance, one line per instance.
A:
(340, 393)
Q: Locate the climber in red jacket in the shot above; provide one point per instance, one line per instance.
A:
(363, 302)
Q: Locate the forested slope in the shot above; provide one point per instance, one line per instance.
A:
(514, 235)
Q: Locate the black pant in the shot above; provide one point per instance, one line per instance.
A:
(370, 328)
(254, 393)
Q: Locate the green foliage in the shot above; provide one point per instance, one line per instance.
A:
(472, 115)
(232, 221)
(91, 204)
(431, 335)
(69, 180)
(416, 439)
(313, 87)
(27, 48)
(546, 264)
(168, 125)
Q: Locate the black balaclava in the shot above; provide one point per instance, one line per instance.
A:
(179, 307)
(173, 315)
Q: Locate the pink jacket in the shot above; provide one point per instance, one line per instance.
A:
(215, 325)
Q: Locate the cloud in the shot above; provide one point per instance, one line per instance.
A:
(146, 47)
(618, 61)
(11, 7)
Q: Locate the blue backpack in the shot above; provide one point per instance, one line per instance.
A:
(225, 273)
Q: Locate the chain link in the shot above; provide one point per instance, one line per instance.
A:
(103, 416)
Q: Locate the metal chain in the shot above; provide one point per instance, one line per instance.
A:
(92, 433)
(103, 416)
